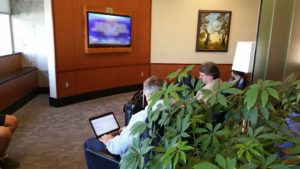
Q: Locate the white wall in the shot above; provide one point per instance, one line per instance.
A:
(174, 28)
(51, 48)
(30, 35)
(5, 6)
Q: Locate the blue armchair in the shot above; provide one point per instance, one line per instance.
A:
(102, 160)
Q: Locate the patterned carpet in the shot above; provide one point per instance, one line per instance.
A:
(52, 138)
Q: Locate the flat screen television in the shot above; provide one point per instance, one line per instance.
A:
(107, 32)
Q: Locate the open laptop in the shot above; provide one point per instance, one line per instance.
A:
(104, 124)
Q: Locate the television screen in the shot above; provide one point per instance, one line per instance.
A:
(107, 30)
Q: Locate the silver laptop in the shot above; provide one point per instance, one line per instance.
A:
(104, 124)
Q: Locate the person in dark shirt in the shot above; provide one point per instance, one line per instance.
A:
(239, 78)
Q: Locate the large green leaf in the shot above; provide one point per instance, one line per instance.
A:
(264, 98)
(217, 127)
(232, 91)
(249, 166)
(200, 139)
(189, 68)
(226, 85)
(271, 159)
(279, 166)
(138, 127)
(209, 126)
(258, 130)
(273, 93)
(206, 142)
(155, 97)
(182, 156)
(185, 123)
(215, 143)
(269, 136)
(231, 163)
(250, 132)
(265, 112)
(175, 160)
(173, 74)
(248, 156)
(221, 161)
(253, 116)
(251, 97)
(205, 165)
(168, 152)
(222, 99)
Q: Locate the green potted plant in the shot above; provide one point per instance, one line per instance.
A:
(181, 133)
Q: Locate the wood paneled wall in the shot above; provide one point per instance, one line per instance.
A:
(78, 72)
(10, 63)
(162, 69)
(17, 88)
(15, 82)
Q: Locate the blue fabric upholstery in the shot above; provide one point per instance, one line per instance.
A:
(97, 156)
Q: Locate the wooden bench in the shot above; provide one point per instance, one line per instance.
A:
(16, 82)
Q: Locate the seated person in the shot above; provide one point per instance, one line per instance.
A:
(119, 144)
(240, 79)
(209, 74)
(8, 124)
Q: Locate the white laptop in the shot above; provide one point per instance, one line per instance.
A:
(104, 124)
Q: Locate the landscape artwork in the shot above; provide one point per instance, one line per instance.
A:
(213, 31)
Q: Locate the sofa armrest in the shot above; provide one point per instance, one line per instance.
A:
(105, 156)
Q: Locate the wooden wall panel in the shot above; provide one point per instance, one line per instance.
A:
(144, 30)
(9, 94)
(97, 79)
(66, 84)
(13, 90)
(131, 75)
(65, 47)
(63, 17)
(92, 72)
(10, 63)
(27, 83)
(162, 70)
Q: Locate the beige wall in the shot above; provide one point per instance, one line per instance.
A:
(174, 27)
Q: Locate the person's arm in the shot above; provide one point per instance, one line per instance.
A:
(119, 144)
(105, 138)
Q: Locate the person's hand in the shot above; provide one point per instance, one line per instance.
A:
(105, 138)
(121, 129)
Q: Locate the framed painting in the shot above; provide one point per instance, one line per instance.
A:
(213, 31)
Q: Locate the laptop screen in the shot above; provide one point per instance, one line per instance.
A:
(104, 124)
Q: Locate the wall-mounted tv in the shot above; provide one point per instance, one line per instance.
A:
(106, 32)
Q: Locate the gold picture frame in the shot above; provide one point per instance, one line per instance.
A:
(213, 31)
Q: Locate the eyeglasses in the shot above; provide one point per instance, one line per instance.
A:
(202, 74)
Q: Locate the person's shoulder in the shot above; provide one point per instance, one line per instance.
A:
(140, 114)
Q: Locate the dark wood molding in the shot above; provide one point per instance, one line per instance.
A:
(43, 90)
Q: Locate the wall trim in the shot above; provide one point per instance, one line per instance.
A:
(43, 90)
(59, 102)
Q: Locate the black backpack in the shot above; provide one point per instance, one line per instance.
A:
(136, 104)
